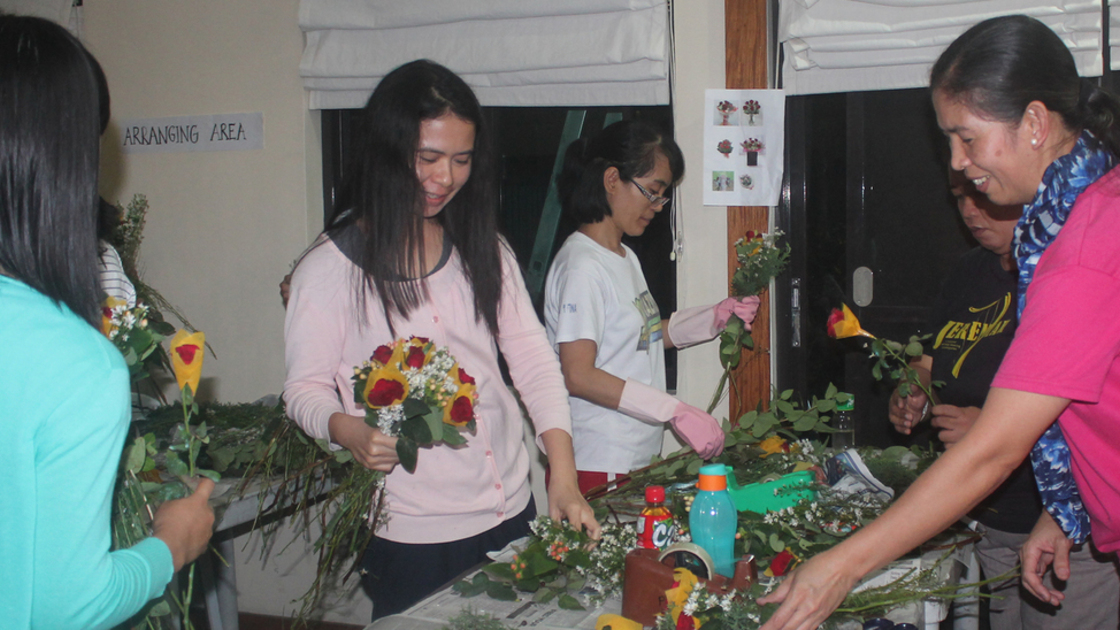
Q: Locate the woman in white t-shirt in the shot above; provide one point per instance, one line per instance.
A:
(601, 318)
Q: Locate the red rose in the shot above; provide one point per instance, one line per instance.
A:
(462, 411)
(186, 352)
(465, 378)
(385, 392)
(415, 359)
(106, 312)
(382, 354)
(835, 317)
(686, 622)
(781, 563)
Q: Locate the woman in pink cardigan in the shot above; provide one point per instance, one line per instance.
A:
(413, 250)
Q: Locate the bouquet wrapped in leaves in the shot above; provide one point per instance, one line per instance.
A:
(418, 393)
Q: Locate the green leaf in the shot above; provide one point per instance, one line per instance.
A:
(784, 406)
(914, 349)
(471, 588)
(499, 571)
(567, 602)
(414, 408)
(786, 395)
(188, 396)
(416, 429)
(877, 372)
(160, 609)
(222, 457)
(804, 423)
(209, 474)
(501, 592)
(831, 391)
(406, 452)
(776, 543)
(577, 583)
(748, 419)
(175, 465)
(452, 436)
(545, 595)
(694, 467)
(436, 427)
(538, 564)
(136, 455)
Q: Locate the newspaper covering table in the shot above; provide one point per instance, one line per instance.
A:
(434, 612)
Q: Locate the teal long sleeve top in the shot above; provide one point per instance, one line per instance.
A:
(64, 413)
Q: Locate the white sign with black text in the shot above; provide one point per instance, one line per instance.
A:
(181, 134)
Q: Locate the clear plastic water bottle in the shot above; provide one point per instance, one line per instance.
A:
(713, 519)
(843, 422)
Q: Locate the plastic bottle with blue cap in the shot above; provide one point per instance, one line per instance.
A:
(713, 519)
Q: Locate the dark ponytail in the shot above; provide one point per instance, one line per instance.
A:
(1001, 65)
(630, 146)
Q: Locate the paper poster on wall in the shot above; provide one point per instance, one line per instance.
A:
(179, 134)
(744, 146)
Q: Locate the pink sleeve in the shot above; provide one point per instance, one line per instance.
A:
(314, 337)
(533, 364)
(1069, 336)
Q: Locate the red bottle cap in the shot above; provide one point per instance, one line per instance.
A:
(655, 494)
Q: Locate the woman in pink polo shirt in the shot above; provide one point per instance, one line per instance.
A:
(413, 250)
(1026, 130)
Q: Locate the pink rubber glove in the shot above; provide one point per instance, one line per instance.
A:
(690, 326)
(649, 404)
(701, 431)
(745, 308)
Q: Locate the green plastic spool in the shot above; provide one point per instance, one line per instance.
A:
(760, 497)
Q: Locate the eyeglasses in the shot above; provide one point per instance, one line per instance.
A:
(656, 200)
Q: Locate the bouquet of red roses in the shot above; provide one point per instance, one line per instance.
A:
(414, 391)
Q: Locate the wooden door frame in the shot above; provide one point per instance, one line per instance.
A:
(746, 36)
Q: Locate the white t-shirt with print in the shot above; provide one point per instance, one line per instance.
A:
(593, 293)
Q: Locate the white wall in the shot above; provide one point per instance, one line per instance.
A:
(224, 227)
(702, 270)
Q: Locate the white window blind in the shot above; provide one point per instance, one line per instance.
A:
(511, 52)
(61, 11)
(858, 45)
(1114, 34)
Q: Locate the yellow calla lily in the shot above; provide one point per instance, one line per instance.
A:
(460, 410)
(772, 444)
(677, 596)
(842, 323)
(107, 307)
(186, 358)
(385, 387)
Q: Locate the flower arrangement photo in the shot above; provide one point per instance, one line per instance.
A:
(724, 147)
(724, 109)
(418, 393)
(751, 147)
(752, 108)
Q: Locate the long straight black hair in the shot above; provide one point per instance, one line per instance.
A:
(49, 127)
(382, 199)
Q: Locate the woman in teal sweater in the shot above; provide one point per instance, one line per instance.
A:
(64, 394)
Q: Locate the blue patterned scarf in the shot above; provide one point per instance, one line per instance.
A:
(1065, 179)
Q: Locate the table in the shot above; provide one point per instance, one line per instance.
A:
(434, 612)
